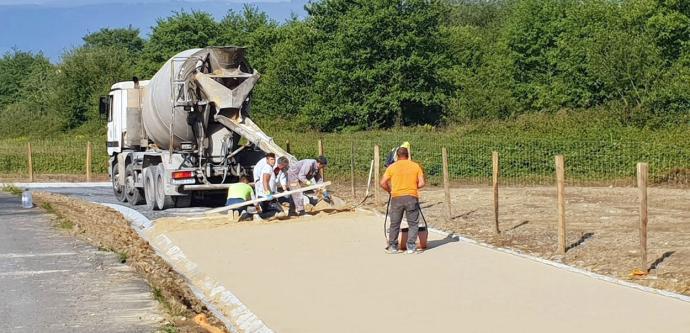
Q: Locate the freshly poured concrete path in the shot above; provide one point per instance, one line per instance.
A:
(330, 274)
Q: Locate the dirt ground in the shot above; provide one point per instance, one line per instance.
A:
(601, 222)
(107, 229)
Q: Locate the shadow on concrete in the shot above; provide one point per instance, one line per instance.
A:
(440, 242)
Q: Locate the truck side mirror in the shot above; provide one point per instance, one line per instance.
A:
(104, 107)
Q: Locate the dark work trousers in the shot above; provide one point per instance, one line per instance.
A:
(410, 206)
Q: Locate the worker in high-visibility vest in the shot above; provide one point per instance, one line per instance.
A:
(241, 192)
(392, 156)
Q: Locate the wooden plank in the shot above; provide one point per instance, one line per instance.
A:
(560, 184)
(446, 184)
(352, 168)
(256, 201)
(642, 170)
(89, 156)
(377, 170)
(30, 163)
(495, 165)
(371, 170)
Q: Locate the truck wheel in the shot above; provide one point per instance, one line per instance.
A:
(118, 190)
(150, 187)
(162, 201)
(134, 195)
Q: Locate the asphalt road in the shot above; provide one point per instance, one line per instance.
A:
(52, 282)
(105, 195)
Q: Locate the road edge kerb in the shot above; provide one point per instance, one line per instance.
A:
(555, 264)
(227, 307)
(54, 185)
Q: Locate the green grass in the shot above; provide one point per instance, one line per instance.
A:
(60, 221)
(598, 150)
(169, 328)
(11, 189)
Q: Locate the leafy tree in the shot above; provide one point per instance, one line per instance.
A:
(15, 66)
(530, 36)
(175, 34)
(252, 29)
(125, 38)
(85, 75)
(378, 63)
(286, 85)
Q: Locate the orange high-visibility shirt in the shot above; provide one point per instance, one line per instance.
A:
(404, 175)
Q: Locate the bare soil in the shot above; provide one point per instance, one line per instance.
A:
(107, 229)
(602, 227)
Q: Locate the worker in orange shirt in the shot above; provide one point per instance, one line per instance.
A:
(402, 180)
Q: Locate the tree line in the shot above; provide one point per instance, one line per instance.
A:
(366, 64)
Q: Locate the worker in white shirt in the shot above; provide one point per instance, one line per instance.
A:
(267, 176)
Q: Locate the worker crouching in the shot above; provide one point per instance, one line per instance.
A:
(402, 180)
(241, 192)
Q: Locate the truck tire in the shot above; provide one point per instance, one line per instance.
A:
(118, 190)
(134, 195)
(150, 187)
(163, 201)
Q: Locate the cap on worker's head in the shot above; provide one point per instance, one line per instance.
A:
(283, 160)
(405, 145)
(322, 160)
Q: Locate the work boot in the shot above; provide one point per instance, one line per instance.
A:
(245, 217)
(392, 249)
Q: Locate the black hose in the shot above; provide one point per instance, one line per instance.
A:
(421, 213)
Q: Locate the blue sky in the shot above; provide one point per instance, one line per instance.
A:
(53, 26)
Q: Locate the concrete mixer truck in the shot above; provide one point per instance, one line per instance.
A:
(180, 133)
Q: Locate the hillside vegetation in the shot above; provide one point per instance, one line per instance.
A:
(377, 64)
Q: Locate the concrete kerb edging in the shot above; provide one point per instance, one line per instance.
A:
(220, 301)
(559, 265)
(54, 185)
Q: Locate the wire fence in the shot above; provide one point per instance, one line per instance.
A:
(523, 162)
(51, 157)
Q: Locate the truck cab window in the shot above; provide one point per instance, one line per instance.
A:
(110, 108)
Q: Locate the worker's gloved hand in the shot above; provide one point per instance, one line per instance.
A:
(308, 183)
(327, 197)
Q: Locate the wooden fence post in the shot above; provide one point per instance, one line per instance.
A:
(560, 184)
(89, 156)
(494, 162)
(446, 183)
(287, 146)
(30, 163)
(352, 168)
(644, 217)
(320, 146)
(377, 162)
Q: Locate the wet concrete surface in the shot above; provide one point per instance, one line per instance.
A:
(52, 282)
